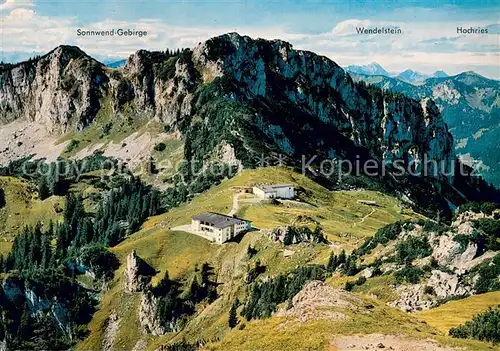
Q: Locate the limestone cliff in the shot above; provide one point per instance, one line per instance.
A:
(59, 90)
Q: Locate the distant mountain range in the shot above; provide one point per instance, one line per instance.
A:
(409, 76)
(370, 69)
(116, 64)
(469, 104)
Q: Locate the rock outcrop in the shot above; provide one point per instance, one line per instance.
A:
(391, 128)
(293, 235)
(448, 272)
(112, 328)
(137, 274)
(15, 292)
(318, 300)
(449, 252)
(148, 319)
(59, 90)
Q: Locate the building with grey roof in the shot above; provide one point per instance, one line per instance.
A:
(220, 228)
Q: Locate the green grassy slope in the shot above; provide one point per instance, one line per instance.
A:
(179, 252)
(454, 313)
(23, 207)
(338, 212)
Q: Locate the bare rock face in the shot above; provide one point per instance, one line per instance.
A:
(112, 328)
(277, 234)
(148, 315)
(446, 284)
(137, 274)
(293, 234)
(449, 253)
(158, 85)
(59, 90)
(463, 222)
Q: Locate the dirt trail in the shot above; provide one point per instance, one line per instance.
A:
(236, 197)
(365, 217)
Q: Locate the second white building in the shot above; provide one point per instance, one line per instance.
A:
(276, 191)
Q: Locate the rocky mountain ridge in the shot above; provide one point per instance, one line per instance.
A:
(286, 94)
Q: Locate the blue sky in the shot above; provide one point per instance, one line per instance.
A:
(429, 41)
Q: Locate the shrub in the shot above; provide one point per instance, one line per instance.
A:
(181, 346)
(429, 290)
(2, 198)
(105, 129)
(377, 272)
(489, 226)
(382, 236)
(100, 261)
(361, 280)
(265, 297)
(463, 240)
(434, 263)
(348, 286)
(410, 274)
(488, 276)
(73, 144)
(431, 226)
(489, 238)
(478, 207)
(160, 147)
(350, 266)
(412, 248)
(484, 326)
(303, 233)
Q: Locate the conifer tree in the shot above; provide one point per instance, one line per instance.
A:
(342, 257)
(43, 188)
(2, 198)
(233, 319)
(46, 254)
(332, 263)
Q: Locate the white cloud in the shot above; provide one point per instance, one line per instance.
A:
(11, 4)
(348, 27)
